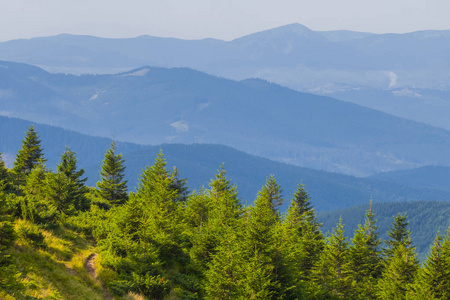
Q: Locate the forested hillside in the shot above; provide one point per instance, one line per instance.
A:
(199, 162)
(63, 240)
(156, 105)
(425, 218)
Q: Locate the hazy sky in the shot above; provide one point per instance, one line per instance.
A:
(223, 19)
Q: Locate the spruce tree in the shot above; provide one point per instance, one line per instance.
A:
(4, 176)
(112, 187)
(365, 258)
(401, 263)
(399, 272)
(73, 179)
(398, 235)
(29, 156)
(224, 276)
(266, 273)
(303, 241)
(332, 274)
(433, 280)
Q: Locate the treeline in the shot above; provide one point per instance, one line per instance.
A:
(164, 242)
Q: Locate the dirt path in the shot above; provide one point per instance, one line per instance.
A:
(90, 268)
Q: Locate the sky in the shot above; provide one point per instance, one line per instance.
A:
(221, 19)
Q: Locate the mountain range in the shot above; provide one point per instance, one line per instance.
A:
(199, 162)
(179, 105)
(402, 74)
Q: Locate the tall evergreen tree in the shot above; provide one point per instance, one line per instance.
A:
(433, 280)
(4, 175)
(77, 190)
(112, 186)
(266, 273)
(399, 272)
(365, 258)
(29, 156)
(303, 240)
(332, 274)
(401, 263)
(398, 235)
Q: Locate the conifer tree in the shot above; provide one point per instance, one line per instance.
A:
(29, 156)
(401, 263)
(332, 274)
(399, 272)
(433, 280)
(4, 175)
(224, 198)
(76, 190)
(398, 235)
(365, 258)
(265, 266)
(224, 274)
(223, 213)
(112, 187)
(304, 240)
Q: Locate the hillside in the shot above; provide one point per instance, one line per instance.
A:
(157, 105)
(430, 177)
(425, 220)
(199, 163)
(401, 74)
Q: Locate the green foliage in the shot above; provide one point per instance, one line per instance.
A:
(304, 241)
(332, 274)
(29, 156)
(399, 273)
(365, 258)
(162, 243)
(398, 234)
(112, 186)
(433, 279)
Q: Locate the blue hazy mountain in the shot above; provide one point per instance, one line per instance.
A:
(344, 64)
(430, 177)
(199, 163)
(158, 105)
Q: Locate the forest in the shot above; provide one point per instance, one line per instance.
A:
(166, 242)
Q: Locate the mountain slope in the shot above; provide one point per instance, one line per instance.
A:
(430, 177)
(157, 105)
(199, 163)
(425, 220)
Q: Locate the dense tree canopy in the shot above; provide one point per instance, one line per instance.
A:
(164, 242)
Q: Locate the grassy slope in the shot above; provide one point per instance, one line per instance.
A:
(54, 270)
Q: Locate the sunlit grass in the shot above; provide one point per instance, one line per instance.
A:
(53, 269)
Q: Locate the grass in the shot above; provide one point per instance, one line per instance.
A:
(54, 268)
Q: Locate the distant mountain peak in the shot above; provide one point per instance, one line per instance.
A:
(290, 30)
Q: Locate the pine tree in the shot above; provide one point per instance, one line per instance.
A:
(4, 176)
(265, 266)
(223, 209)
(304, 240)
(112, 187)
(29, 156)
(75, 184)
(224, 274)
(401, 263)
(332, 274)
(365, 257)
(433, 280)
(399, 272)
(398, 235)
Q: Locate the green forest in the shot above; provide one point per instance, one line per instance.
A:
(61, 239)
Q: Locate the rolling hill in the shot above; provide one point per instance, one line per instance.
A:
(409, 72)
(158, 105)
(199, 163)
